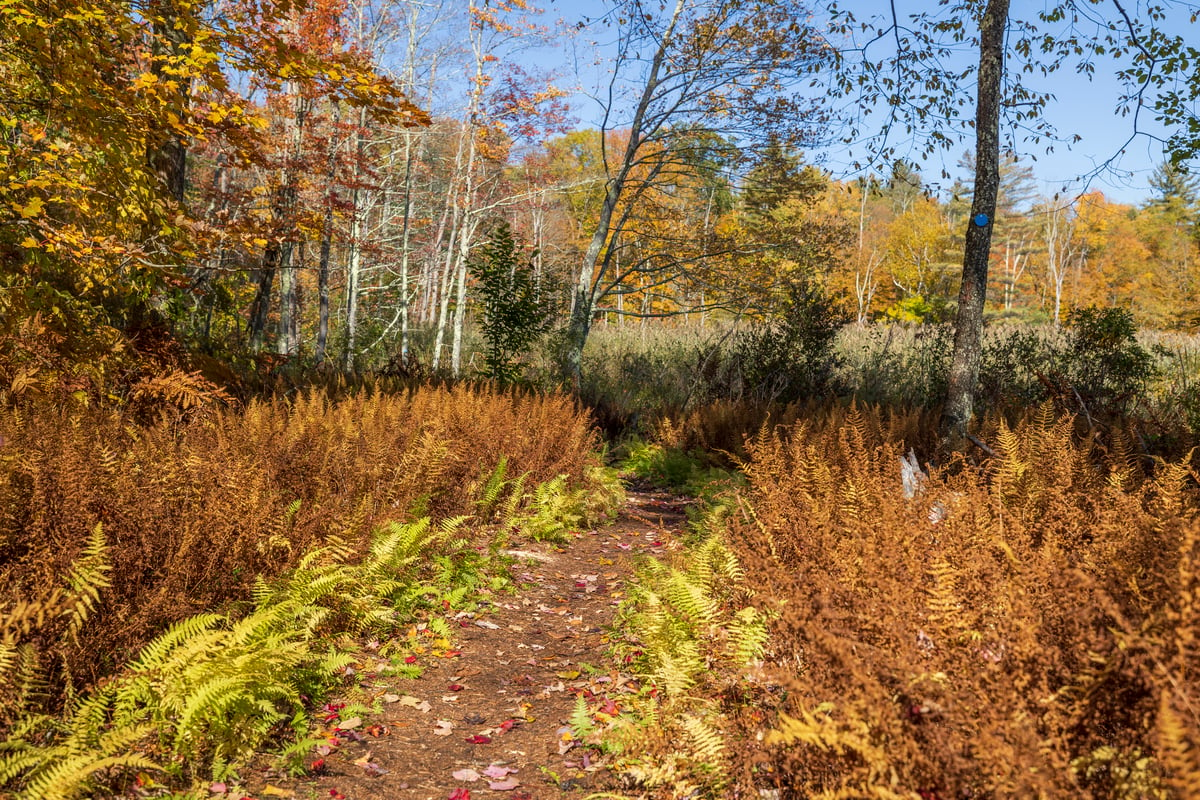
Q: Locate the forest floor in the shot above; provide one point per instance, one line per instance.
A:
(489, 718)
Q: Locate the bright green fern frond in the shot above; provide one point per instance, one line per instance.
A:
(86, 578)
(493, 488)
(690, 598)
(581, 722)
(70, 778)
(155, 654)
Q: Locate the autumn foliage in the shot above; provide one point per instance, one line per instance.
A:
(193, 512)
(1026, 628)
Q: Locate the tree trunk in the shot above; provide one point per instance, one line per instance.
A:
(968, 325)
(288, 341)
(171, 40)
(261, 307)
(354, 257)
(326, 247)
(584, 297)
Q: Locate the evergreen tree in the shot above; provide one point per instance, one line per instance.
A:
(1177, 193)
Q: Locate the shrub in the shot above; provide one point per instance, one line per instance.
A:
(792, 358)
(1106, 366)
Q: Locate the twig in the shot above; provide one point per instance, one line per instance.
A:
(981, 445)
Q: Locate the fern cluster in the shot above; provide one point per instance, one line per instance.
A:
(692, 635)
(195, 507)
(1023, 629)
(552, 509)
(201, 698)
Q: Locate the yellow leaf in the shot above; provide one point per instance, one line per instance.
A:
(274, 791)
(29, 241)
(31, 209)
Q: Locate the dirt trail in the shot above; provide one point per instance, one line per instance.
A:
(499, 709)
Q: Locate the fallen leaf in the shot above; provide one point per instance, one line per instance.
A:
(218, 788)
(274, 791)
(459, 794)
(456, 687)
(479, 739)
(498, 772)
(444, 727)
(504, 786)
(394, 698)
(569, 675)
(483, 623)
(349, 724)
(369, 766)
(465, 775)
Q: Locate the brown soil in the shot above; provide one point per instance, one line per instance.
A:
(503, 701)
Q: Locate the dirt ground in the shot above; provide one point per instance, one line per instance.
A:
(488, 717)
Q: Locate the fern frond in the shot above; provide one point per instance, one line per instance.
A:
(707, 743)
(748, 636)
(154, 654)
(86, 578)
(70, 778)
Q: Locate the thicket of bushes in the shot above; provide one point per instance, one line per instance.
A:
(1097, 366)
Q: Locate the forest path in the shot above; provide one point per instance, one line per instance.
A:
(499, 709)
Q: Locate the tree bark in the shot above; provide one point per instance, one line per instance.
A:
(288, 341)
(326, 248)
(968, 326)
(170, 40)
(584, 298)
(261, 307)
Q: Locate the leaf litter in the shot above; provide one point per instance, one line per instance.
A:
(524, 660)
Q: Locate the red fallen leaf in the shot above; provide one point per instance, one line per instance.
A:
(336, 795)
(456, 687)
(410, 659)
(460, 794)
(377, 730)
(610, 708)
(317, 767)
(503, 786)
(508, 725)
(479, 738)
(452, 654)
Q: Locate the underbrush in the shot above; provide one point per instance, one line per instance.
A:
(195, 513)
(1097, 367)
(202, 697)
(1025, 628)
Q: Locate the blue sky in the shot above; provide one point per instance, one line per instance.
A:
(1086, 108)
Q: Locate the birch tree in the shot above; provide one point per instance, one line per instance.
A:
(729, 66)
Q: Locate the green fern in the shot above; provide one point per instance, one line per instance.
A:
(581, 722)
(86, 578)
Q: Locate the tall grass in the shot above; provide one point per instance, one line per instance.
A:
(634, 376)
